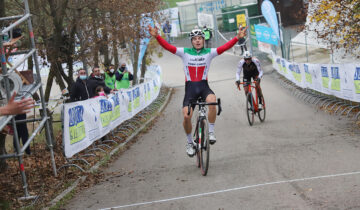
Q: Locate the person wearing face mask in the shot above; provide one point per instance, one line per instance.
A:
(96, 80)
(80, 89)
(99, 91)
(110, 77)
(123, 77)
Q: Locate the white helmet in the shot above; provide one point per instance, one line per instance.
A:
(247, 55)
(196, 32)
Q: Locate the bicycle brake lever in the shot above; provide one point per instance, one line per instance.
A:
(219, 105)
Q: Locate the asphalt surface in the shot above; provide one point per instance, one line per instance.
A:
(299, 158)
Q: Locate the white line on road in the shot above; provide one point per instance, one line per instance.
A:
(235, 189)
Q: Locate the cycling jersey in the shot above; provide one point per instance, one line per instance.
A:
(196, 62)
(251, 70)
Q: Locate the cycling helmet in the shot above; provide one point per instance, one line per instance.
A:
(196, 32)
(247, 55)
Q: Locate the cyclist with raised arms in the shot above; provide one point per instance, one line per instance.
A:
(252, 69)
(196, 67)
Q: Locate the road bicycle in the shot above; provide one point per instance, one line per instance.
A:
(201, 134)
(252, 104)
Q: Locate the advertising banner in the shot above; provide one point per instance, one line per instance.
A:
(340, 80)
(268, 10)
(265, 34)
(87, 121)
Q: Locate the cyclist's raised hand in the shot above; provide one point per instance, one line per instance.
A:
(153, 31)
(242, 32)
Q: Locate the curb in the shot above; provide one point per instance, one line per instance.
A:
(117, 148)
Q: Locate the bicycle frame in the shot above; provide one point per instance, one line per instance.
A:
(202, 113)
(256, 100)
(202, 146)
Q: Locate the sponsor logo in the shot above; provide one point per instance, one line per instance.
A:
(76, 124)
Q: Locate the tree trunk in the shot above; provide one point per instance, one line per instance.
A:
(143, 67)
(105, 45)
(2, 11)
(49, 84)
(136, 62)
(116, 54)
(30, 64)
(3, 164)
(95, 36)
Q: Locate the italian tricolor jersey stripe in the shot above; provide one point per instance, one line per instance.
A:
(196, 62)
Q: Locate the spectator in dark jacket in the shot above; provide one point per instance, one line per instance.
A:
(96, 80)
(79, 90)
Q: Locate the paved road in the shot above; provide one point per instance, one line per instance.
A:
(299, 158)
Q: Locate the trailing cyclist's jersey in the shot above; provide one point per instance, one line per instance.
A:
(196, 62)
(245, 67)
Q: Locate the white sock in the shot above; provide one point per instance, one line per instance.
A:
(189, 138)
(211, 127)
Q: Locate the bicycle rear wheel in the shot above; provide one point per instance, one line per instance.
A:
(205, 147)
(250, 112)
(262, 111)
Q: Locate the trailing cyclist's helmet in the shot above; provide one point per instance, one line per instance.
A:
(247, 55)
(196, 32)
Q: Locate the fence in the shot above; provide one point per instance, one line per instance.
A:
(87, 121)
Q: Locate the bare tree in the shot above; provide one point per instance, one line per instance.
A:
(338, 23)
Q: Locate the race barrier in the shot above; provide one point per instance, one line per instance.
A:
(340, 80)
(87, 121)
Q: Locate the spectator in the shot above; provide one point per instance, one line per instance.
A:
(167, 31)
(17, 107)
(242, 43)
(23, 132)
(123, 77)
(99, 91)
(110, 77)
(80, 89)
(208, 36)
(97, 80)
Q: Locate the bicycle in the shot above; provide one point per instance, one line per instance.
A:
(201, 134)
(252, 105)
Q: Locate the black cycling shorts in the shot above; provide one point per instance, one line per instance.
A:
(195, 90)
(248, 75)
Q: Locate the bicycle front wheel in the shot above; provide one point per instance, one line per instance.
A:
(197, 150)
(250, 112)
(205, 147)
(262, 111)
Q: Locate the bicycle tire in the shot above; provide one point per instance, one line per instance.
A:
(250, 112)
(262, 112)
(205, 148)
(197, 152)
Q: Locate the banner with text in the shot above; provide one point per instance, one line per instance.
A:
(340, 80)
(87, 121)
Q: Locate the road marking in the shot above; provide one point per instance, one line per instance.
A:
(234, 189)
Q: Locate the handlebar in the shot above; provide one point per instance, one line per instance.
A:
(241, 83)
(218, 103)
